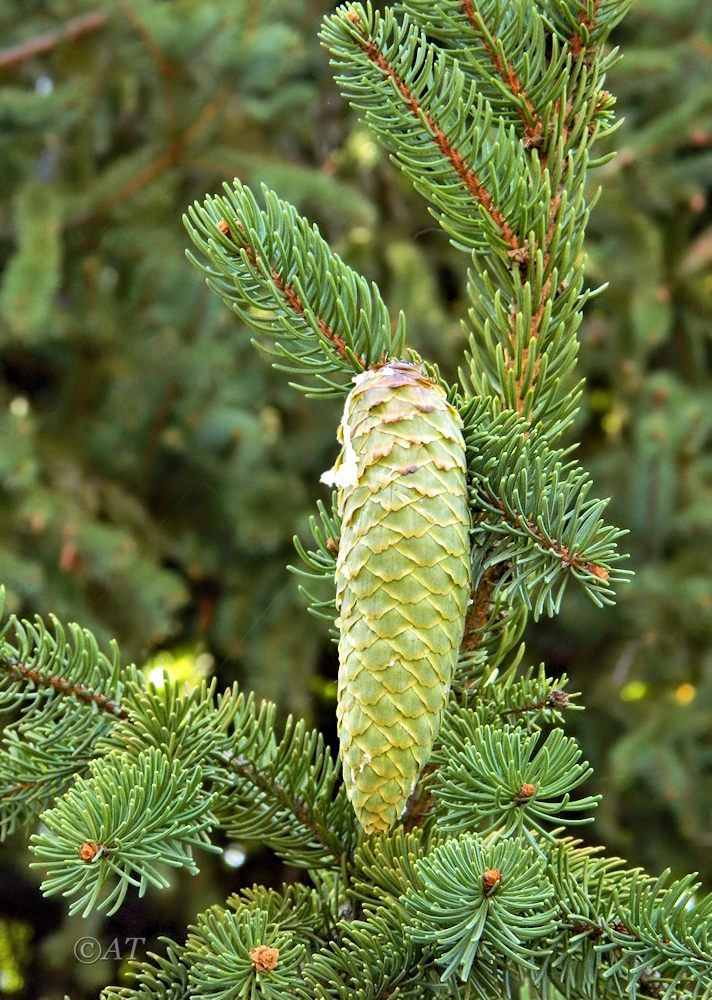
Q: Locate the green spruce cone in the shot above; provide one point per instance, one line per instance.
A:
(402, 581)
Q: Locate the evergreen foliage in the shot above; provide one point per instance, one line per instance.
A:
(128, 444)
(536, 525)
(474, 894)
(128, 815)
(492, 783)
(279, 275)
(646, 440)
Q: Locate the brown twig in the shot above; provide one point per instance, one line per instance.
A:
(19, 787)
(555, 699)
(538, 315)
(170, 157)
(215, 105)
(534, 130)
(568, 559)
(138, 181)
(469, 178)
(533, 125)
(176, 140)
(478, 612)
(161, 416)
(65, 687)
(167, 71)
(534, 331)
(269, 786)
(589, 23)
(164, 66)
(419, 806)
(37, 46)
(291, 296)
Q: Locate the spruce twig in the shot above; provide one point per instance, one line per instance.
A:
(83, 24)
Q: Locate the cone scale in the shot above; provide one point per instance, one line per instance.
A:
(402, 581)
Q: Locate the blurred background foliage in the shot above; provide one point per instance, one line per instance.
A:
(153, 467)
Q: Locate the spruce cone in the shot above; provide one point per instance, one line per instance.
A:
(402, 581)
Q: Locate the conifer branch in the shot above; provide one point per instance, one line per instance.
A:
(568, 559)
(522, 215)
(39, 661)
(505, 50)
(231, 740)
(64, 695)
(282, 793)
(83, 24)
(536, 545)
(463, 170)
(370, 956)
(528, 699)
(587, 21)
(478, 612)
(374, 57)
(158, 977)
(526, 353)
(291, 297)
(471, 905)
(583, 26)
(526, 347)
(242, 949)
(116, 829)
(621, 930)
(273, 789)
(490, 107)
(533, 124)
(62, 686)
(38, 763)
(526, 373)
(289, 797)
(277, 273)
(495, 782)
(165, 68)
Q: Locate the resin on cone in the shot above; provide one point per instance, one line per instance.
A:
(402, 581)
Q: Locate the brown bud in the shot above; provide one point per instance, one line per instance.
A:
(332, 545)
(224, 227)
(490, 878)
(600, 571)
(557, 699)
(594, 931)
(525, 792)
(650, 983)
(520, 255)
(619, 927)
(700, 137)
(264, 959)
(89, 850)
(37, 523)
(697, 202)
